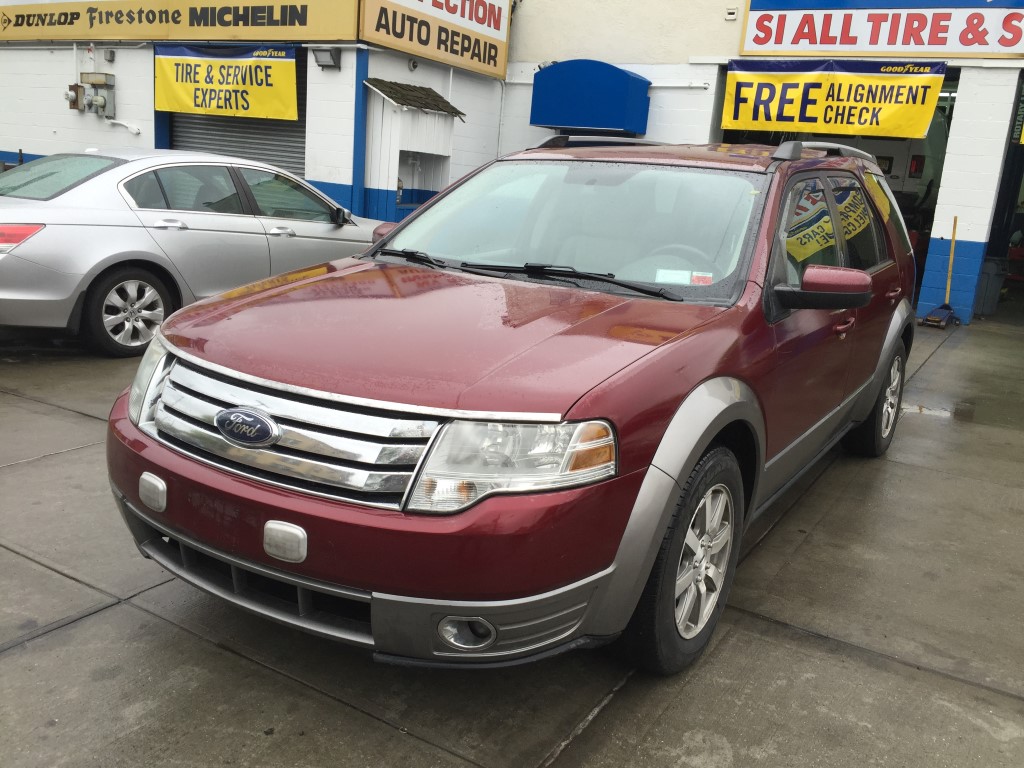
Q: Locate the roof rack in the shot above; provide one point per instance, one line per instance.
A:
(593, 140)
(793, 150)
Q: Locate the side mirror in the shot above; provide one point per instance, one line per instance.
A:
(382, 230)
(827, 288)
(341, 216)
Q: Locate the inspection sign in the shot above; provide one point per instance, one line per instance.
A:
(861, 98)
(238, 81)
(468, 34)
(912, 28)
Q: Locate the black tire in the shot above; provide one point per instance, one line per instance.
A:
(654, 640)
(873, 436)
(143, 311)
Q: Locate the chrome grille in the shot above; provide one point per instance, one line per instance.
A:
(325, 448)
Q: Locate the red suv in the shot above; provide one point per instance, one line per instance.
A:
(544, 412)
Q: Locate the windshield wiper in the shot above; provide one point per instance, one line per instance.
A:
(418, 257)
(560, 271)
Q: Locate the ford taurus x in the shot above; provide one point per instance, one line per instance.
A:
(545, 412)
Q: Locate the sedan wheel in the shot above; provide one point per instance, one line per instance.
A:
(124, 309)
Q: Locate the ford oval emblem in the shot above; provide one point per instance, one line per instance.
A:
(247, 427)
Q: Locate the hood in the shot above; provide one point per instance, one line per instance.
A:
(429, 338)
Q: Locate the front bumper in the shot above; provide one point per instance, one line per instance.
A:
(397, 628)
(535, 567)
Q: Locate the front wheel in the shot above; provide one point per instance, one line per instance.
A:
(873, 436)
(123, 311)
(690, 581)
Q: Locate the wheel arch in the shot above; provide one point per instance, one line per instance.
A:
(159, 270)
(719, 412)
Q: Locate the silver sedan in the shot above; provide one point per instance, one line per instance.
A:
(109, 243)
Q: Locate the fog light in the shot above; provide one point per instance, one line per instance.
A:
(467, 633)
(153, 491)
(284, 541)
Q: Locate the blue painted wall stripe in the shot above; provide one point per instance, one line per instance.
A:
(967, 261)
(359, 196)
(11, 158)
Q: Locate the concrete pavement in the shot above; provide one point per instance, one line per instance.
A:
(879, 623)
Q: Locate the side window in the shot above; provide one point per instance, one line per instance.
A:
(885, 203)
(808, 233)
(863, 248)
(203, 188)
(284, 198)
(145, 192)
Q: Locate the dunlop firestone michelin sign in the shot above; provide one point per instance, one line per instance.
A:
(911, 28)
(179, 20)
(860, 98)
(243, 81)
(468, 34)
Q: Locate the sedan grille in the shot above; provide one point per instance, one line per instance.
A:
(325, 448)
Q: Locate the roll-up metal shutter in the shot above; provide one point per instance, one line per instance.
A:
(278, 142)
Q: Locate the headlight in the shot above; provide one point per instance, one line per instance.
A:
(471, 460)
(151, 363)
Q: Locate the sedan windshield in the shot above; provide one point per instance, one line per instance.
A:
(679, 228)
(47, 177)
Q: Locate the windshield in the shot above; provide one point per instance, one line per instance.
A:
(47, 177)
(676, 227)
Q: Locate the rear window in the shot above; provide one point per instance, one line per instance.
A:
(48, 177)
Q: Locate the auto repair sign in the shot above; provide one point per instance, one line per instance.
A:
(911, 28)
(238, 81)
(859, 98)
(468, 34)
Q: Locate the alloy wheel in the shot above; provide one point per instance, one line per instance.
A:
(132, 312)
(704, 561)
(891, 404)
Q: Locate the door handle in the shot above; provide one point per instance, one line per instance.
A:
(842, 328)
(892, 294)
(282, 232)
(170, 224)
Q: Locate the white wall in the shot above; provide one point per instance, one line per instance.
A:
(330, 121)
(974, 154)
(35, 117)
(649, 32)
(383, 133)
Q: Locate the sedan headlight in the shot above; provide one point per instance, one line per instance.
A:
(470, 460)
(151, 363)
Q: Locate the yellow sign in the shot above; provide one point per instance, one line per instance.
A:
(179, 20)
(243, 81)
(856, 98)
(468, 34)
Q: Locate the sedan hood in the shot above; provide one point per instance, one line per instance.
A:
(429, 338)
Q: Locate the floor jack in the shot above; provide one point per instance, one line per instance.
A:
(943, 315)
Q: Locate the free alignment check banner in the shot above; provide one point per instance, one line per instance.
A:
(240, 81)
(865, 98)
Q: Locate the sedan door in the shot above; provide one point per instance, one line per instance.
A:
(299, 222)
(196, 215)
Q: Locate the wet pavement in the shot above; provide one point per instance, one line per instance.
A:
(879, 623)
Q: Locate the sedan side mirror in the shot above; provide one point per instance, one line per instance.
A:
(382, 230)
(827, 288)
(341, 216)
